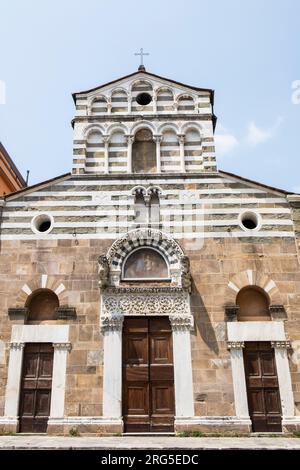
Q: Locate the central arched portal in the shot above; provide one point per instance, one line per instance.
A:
(146, 323)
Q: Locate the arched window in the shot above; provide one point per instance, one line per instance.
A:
(99, 106)
(140, 208)
(169, 152)
(165, 100)
(193, 150)
(94, 152)
(144, 152)
(253, 304)
(117, 153)
(119, 101)
(186, 103)
(42, 305)
(145, 264)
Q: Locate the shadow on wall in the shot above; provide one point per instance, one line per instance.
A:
(202, 321)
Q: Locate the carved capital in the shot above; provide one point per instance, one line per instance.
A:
(281, 344)
(62, 346)
(182, 322)
(66, 313)
(278, 312)
(111, 323)
(103, 270)
(235, 344)
(130, 139)
(157, 138)
(181, 138)
(17, 345)
(231, 312)
(18, 313)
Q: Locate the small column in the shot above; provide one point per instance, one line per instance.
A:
(239, 380)
(57, 407)
(130, 139)
(154, 99)
(183, 378)
(106, 145)
(284, 377)
(181, 152)
(157, 139)
(129, 103)
(111, 327)
(14, 380)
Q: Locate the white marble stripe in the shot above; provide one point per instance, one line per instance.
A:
(171, 223)
(164, 212)
(162, 202)
(107, 235)
(162, 180)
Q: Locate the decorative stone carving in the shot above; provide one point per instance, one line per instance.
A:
(18, 313)
(66, 313)
(281, 344)
(17, 345)
(181, 322)
(278, 312)
(63, 346)
(111, 323)
(103, 270)
(146, 303)
(185, 273)
(235, 344)
(231, 312)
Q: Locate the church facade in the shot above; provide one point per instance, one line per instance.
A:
(148, 291)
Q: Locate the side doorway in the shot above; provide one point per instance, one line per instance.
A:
(262, 387)
(36, 385)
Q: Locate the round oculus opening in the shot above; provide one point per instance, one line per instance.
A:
(249, 220)
(42, 223)
(143, 99)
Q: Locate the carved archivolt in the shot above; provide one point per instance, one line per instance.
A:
(110, 265)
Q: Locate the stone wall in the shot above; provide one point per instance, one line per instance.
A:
(218, 263)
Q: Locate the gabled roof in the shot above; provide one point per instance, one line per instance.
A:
(255, 183)
(11, 167)
(36, 186)
(141, 71)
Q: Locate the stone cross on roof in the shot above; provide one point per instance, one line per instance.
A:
(141, 53)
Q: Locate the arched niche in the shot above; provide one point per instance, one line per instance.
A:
(99, 106)
(253, 304)
(119, 101)
(144, 152)
(145, 264)
(42, 305)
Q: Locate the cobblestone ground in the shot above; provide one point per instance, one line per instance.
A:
(147, 442)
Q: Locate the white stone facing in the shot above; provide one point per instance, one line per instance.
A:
(256, 331)
(183, 379)
(112, 374)
(239, 383)
(285, 383)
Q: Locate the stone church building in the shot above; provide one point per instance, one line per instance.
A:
(148, 291)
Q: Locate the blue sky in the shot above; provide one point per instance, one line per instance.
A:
(248, 51)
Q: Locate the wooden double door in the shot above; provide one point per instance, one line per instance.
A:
(148, 375)
(262, 387)
(36, 384)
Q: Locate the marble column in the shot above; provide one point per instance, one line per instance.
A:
(111, 327)
(106, 149)
(14, 380)
(57, 407)
(239, 380)
(181, 152)
(183, 378)
(284, 377)
(157, 139)
(130, 140)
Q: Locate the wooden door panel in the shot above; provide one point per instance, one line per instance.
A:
(148, 375)
(36, 384)
(262, 387)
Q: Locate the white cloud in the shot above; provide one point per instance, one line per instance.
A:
(257, 135)
(225, 143)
